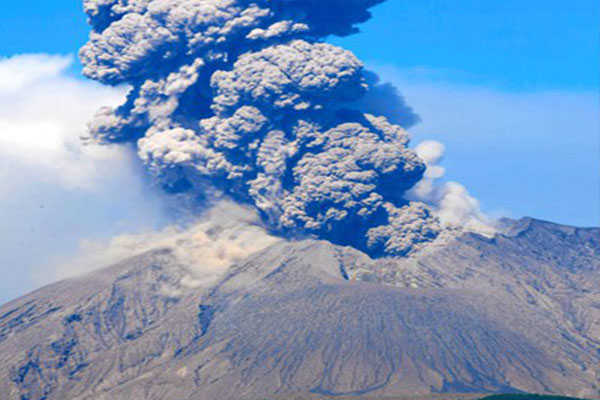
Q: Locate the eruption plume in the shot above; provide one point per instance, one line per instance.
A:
(244, 97)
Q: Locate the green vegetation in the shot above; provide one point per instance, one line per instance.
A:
(453, 396)
(526, 397)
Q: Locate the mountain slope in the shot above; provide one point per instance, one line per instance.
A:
(517, 312)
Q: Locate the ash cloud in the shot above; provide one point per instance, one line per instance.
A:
(225, 234)
(244, 97)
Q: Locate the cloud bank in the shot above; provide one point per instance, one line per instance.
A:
(54, 190)
(243, 97)
(48, 140)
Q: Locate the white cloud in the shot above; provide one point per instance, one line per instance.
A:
(21, 71)
(53, 188)
(43, 114)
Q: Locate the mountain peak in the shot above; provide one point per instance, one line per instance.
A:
(511, 227)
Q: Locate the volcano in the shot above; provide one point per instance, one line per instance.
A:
(469, 315)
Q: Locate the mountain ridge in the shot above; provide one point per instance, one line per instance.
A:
(514, 313)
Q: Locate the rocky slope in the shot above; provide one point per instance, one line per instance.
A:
(517, 312)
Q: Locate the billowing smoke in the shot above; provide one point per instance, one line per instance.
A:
(244, 97)
(453, 204)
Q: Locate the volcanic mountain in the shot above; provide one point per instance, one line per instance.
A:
(516, 312)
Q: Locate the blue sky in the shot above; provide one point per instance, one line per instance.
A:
(510, 88)
(519, 45)
(511, 44)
